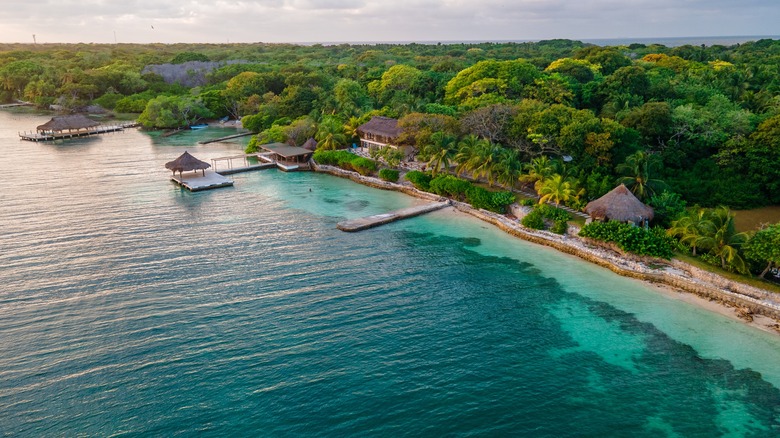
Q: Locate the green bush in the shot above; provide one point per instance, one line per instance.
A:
(363, 166)
(450, 185)
(560, 227)
(496, 202)
(389, 175)
(527, 202)
(345, 160)
(553, 213)
(420, 180)
(533, 220)
(652, 242)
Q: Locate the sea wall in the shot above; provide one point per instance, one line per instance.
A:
(677, 274)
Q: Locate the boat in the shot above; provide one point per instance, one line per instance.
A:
(199, 126)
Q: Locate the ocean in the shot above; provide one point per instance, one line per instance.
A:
(132, 307)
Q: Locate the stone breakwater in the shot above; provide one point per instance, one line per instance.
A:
(747, 299)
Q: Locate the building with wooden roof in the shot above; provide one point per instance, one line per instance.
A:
(70, 123)
(288, 154)
(380, 132)
(619, 205)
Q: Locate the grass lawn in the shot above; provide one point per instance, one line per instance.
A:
(751, 281)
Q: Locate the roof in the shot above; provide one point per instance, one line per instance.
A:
(285, 150)
(311, 144)
(384, 126)
(185, 163)
(620, 205)
(62, 123)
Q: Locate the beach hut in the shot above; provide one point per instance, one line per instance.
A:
(186, 163)
(619, 205)
(75, 122)
(380, 132)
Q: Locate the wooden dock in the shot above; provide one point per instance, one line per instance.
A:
(214, 140)
(51, 136)
(380, 219)
(14, 105)
(196, 181)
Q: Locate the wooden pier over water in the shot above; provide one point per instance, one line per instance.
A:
(51, 136)
(380, 219)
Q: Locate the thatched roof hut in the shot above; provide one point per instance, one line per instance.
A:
(619, 205)
(380, 127)
(74, 122)
(310, 144)
(186, 163)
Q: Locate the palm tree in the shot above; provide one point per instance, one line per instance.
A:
(440, 150)
(691, 228)
(539, 169)
(556, 189)
(636, 171)
(351, 128)
(508, 167)
(483, 163)
(468, 149)
(722, 239)
(330, 134)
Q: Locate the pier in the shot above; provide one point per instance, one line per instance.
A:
(195, 182)
(363, 223)
(215, 140)
(51, 136)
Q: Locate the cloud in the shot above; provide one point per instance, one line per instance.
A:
(373, 20)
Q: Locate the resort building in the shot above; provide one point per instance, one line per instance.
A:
(619, 205)
(286, 154)
(380, 132)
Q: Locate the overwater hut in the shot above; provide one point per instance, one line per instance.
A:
(619, 205)
(288, 154)
(380, 132)
(75, 124)
(186, 163)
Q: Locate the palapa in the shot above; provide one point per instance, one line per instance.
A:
(382, 127)
(619, 205)
(68, 123)
(185, 163)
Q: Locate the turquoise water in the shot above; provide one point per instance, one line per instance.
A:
(131, 307)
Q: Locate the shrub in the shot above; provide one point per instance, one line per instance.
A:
(560, 227)
(498, 201)
(450, 185)
(389, 175)
(479, 198)
(420, 180)
(363, 166)
(527, 202)
(533, 220)
(553, 213)
(652, 242)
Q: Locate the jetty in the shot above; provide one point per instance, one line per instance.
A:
(195, 182)
(76, 125)
(16, 104)
(215, 140)
(363, 223)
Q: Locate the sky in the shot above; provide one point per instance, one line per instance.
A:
(327, 21)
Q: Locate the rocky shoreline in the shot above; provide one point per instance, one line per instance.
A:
(744, 301)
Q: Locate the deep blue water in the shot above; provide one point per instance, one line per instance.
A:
(131, 307)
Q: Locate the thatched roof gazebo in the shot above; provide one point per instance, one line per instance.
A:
(74, 122)
(619, 205)
(186, 163)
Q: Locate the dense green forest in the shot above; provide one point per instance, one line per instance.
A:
(701, 122)
(681, 126)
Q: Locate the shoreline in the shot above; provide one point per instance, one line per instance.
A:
(752, 306)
